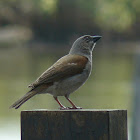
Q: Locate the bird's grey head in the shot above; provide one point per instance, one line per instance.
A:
(84, 45)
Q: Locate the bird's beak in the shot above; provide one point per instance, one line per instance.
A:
(96, 38)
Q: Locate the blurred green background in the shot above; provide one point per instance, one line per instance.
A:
(35, 33)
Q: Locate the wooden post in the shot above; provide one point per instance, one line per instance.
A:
(74, 125)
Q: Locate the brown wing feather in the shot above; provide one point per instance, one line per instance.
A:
(66, 66)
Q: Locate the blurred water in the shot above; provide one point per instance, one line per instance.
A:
(9, 129)
(109, 86)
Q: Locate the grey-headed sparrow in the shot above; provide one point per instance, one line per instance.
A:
(67, 74)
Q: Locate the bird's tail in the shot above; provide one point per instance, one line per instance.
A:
(23, 99)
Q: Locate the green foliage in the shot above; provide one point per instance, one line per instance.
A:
(118, 15)
(27, 6)
(49, 6)
(115, 14)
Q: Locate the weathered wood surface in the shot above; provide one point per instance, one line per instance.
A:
(74, 125)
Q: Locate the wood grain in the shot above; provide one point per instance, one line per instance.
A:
(74, 125)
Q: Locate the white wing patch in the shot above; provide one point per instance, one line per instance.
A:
(72, 64)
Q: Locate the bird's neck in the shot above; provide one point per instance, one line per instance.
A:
(82, 53)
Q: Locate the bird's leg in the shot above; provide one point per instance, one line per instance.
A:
(73, 105)
(61, 106)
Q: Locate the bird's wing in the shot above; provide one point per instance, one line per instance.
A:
(67, 66)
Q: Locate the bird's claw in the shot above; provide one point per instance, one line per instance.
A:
(67, 108)
(63, 108)
(75, 107)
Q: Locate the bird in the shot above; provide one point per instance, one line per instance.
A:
(66, 75)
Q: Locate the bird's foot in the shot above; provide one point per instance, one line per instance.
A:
(74, 107)
(63, 108)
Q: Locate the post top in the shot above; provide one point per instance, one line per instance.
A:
(75, 110)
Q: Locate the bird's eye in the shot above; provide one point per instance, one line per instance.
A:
(87, 39)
